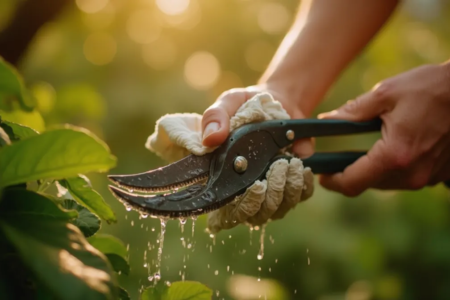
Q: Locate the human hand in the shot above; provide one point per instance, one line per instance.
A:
(414, 150)
(216, 119)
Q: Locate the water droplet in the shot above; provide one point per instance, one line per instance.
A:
(259, 256)
(145, 265)
(216, 272)
(168, 283)
(228, 268)
(189, 246)
(211, 235)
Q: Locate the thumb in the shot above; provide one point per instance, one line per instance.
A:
(363, 108)
(216, 119)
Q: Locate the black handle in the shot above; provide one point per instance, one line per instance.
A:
(333, 162)
(304, 128)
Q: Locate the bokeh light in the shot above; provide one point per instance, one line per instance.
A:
(172, 7)
(160, 54)
(143, 27)
(273, 18)
(258, 55)
(91, 6)
(186, 20)
(100, 48)
(228, 80)
(202, 70)
(101, 19)
(359, 290)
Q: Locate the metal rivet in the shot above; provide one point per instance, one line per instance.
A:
(290, 135)
(240, 164)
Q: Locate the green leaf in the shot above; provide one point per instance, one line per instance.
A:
(87, 222)
(4, 138)
(54, 154)
(81, 190)
(119, 264)
(23, 203)
(185, 290)
(31, 119)
(12, 87)
(17, 131)
(55, 250)
(114, 249)
(123, 294)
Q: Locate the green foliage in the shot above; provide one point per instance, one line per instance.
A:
(43, 242)
(55, 154)
(185, 290)
(17, 131)
(114, 249)
(82, 191)
(54, 250)
(86, 221)
(12, 88)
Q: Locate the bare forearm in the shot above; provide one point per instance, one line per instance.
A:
(325, 37)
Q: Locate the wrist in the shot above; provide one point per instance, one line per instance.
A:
(298, 92)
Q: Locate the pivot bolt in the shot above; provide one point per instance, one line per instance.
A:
(290, 135)
(240, 164)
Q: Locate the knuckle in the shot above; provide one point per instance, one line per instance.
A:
(383, 90)
(400, 159)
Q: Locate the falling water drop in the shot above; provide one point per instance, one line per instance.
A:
(157, 275)
(182, 222)
(194, 218)
(261, 243)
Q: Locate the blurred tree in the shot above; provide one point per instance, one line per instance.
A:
(29, 16)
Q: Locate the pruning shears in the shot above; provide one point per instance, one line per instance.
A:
(196, 185)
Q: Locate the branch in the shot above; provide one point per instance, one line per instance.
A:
(29, 17)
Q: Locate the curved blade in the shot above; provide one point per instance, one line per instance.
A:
(187, 202)
(186, 171)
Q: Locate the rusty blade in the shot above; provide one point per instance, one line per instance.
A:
(184, 172)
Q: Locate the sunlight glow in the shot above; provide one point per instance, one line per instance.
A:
(227, 80)
(273, 18)
(91, 6)
(172, 7)
(186, 20)
(100, 48)
(258, 55)
(143, 27)
(202, 70)
(101, 19)
(160, 54)
(94, 278)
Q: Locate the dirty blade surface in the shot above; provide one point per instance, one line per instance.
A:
(182, 173)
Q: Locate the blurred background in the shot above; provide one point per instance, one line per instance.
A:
(116, 66)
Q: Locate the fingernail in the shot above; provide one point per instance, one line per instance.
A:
(210, 128)
(327, 114)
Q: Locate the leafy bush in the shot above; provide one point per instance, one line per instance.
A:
(50, 214)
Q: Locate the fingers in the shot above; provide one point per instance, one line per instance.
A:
(368, 171)
(292, 190)
(365, 107)
(304, 148)
(276, 181)
(216, 119)
(238, 211)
